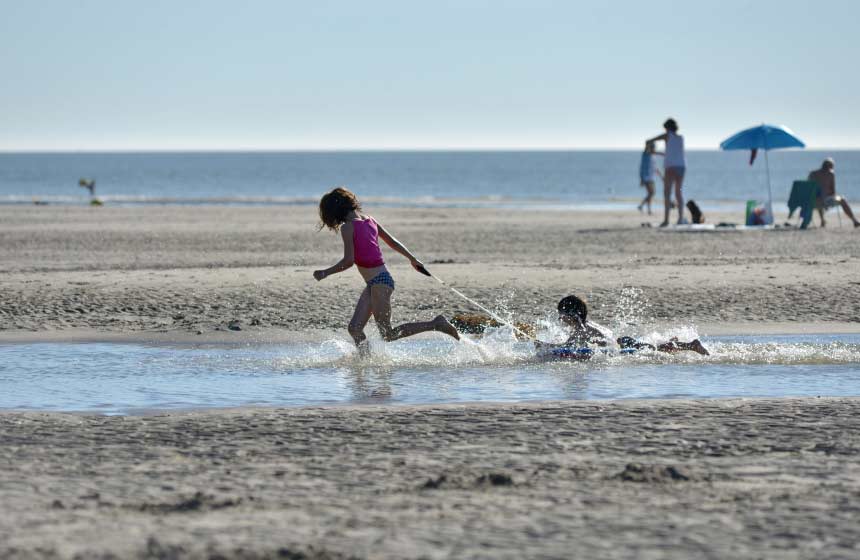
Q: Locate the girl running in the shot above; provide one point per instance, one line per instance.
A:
(340, 210)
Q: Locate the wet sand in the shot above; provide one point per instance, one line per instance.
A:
(638, 479)
(179, 271)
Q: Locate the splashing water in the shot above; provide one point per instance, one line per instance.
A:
(501, 347)
(631, 310)
(123, 378)
(482, 308)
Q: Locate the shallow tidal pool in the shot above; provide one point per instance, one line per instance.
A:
(111, 378)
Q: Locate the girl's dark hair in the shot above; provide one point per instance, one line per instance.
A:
(670, 124)
(572, 305)
(335, 206)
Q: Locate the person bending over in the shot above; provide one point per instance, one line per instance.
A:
(674, 169)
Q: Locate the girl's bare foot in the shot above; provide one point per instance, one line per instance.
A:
(441, 324)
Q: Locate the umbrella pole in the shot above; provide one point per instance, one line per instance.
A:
(769, 193)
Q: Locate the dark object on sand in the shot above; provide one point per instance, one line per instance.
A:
(696, 212)
(637, 472)
(90, 185)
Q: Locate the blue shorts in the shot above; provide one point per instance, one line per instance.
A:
(381, 279)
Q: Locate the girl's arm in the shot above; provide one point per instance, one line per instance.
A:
(348, 254)
(661, 137)
(398, 246)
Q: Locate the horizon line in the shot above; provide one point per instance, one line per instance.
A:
(26, 151)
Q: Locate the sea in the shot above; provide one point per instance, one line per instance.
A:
(598, 180)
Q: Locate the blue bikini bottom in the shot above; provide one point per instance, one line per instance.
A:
(382, 279)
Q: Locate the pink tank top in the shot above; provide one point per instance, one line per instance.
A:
(365, 238)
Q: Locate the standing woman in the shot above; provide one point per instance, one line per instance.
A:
(674, 164)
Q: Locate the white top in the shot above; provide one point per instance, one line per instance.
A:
(674, 151)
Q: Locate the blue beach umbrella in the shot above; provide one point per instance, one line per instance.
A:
(764, 137)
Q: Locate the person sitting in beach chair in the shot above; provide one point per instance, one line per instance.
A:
(573, 313)
(827, 197)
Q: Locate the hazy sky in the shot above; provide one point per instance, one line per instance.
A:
(316, 74)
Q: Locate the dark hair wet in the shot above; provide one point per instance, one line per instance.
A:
(335, 206)
(572, 305)
(671, 125)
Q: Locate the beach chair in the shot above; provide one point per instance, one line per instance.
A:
(755, 215)
(804, 195)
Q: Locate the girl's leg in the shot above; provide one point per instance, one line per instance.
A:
(380, 298)
(360, 318)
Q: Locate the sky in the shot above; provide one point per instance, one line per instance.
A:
(469, 74)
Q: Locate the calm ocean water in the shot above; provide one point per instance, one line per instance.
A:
(574, 178)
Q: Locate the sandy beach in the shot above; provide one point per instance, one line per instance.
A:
(657, 479)
(181, 272)
(636, 479)
(176, 384)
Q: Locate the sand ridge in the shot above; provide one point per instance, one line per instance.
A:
(197, 269)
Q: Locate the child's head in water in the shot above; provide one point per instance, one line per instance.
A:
(572, 311)
(335, 206)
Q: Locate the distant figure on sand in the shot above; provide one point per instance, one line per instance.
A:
(90, 185)
(340, 210)
(827, 197)
(674, 167)
(573, 313)
(647, 170)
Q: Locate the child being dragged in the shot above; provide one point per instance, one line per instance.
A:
(573, 313)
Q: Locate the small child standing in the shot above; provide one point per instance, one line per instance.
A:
(647, 170)
(340, 211)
